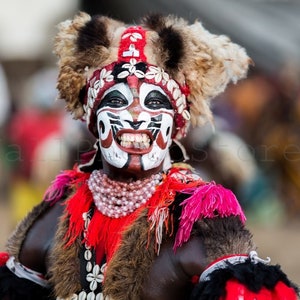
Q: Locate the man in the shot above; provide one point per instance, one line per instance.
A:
(126, 223)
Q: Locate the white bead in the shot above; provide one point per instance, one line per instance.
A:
(89, 266)
(93, 285)
(82, 295)
(99, 296)
(87, 254)
(91, 296)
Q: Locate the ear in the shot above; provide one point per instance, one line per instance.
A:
(213, 61)
(81, 45)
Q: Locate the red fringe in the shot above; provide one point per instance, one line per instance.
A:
(172, 183)
(235, 290)
(158, 214)
(105, 233)
(77, 204)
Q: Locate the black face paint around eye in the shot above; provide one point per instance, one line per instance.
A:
(113, 99)
(156, 100)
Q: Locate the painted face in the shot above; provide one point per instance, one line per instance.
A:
(135, 126)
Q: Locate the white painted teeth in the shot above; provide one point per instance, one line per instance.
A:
(135, 140)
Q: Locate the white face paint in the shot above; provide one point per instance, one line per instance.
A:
(135, 123)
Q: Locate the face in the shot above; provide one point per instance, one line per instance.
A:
(134, 124)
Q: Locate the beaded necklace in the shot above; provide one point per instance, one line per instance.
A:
(118, 199)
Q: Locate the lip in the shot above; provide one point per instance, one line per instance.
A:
(132, 150)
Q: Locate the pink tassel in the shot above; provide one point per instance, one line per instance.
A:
(57, 189)
(207, 201)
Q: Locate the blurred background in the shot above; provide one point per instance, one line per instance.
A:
(254, 148)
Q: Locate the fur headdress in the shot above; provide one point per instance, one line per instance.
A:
(190, 63)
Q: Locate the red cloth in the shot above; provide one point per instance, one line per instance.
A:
(4, 256)
(28, 129)
(237, 291)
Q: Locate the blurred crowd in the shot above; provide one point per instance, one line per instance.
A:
(254, 145)
(265, 111)
(38, 140)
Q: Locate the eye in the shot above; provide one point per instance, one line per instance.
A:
(113, 99)
(157, 100)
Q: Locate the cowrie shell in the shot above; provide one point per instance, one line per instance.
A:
(186, 115)
(82, 295)
(87, 254)
(91, 296)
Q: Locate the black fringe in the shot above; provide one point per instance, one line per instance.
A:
(253, 276)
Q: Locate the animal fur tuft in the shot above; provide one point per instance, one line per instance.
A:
(92, 34)
(224, 236)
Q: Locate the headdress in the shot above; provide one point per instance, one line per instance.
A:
(189, 63)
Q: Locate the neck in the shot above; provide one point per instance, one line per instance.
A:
(128, 175)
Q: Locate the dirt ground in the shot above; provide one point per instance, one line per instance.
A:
(281, 242)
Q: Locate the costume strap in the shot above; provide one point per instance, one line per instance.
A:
(23, 272)
(223, 262)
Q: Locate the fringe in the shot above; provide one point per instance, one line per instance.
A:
(58, 186)
(206, 201)
(79, 203)
(159, 215)
(247, 281)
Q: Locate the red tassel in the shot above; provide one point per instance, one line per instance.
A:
(4, 256)
(283, 292)
(105, 233)
(175, 181)
(78, 204)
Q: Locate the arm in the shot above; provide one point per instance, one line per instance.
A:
(170, 276)
(234, 269)
(28, 249)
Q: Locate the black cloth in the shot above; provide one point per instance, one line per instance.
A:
(254, 276)
(15, 288)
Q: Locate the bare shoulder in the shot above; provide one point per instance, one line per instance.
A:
(33, 237)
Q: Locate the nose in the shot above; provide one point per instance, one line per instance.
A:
(135, 124)
(135, 109)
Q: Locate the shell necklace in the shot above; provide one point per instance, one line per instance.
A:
(118, 199)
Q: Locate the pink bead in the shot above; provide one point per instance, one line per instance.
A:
(115, 198)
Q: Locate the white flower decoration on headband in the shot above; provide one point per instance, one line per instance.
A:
(163, 78)
(158, 74)
(133, 36)
(131, 66)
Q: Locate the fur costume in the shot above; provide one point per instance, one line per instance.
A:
(186, 227)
